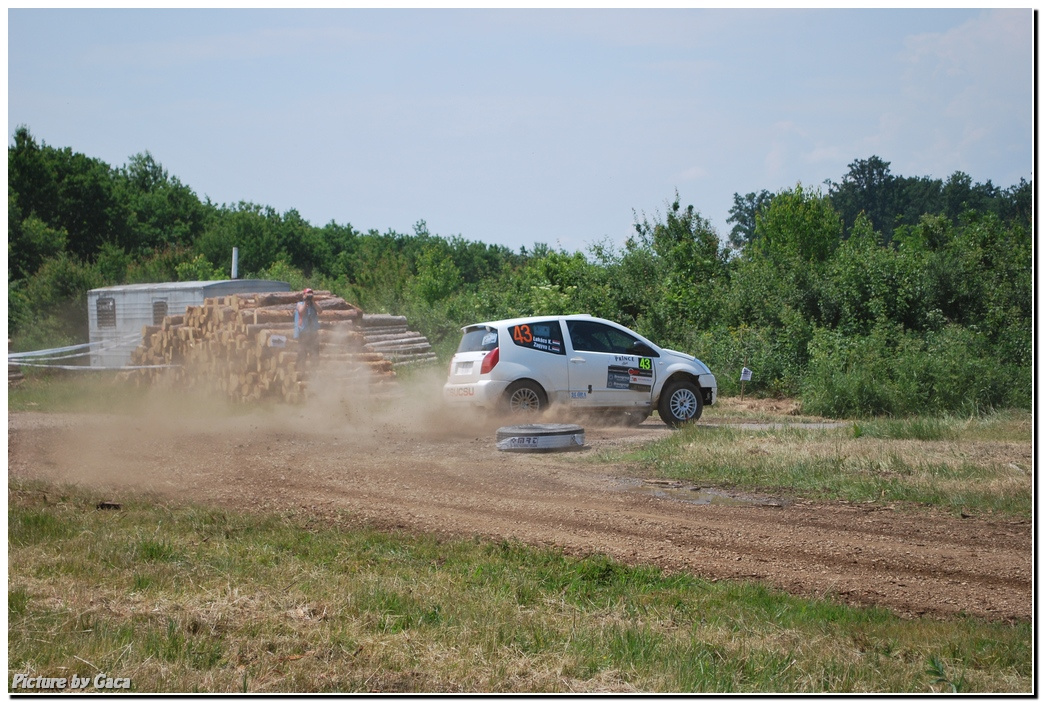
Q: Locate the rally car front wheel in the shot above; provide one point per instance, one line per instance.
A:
(680, 403)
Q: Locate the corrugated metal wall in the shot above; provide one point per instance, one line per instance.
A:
(120, 312)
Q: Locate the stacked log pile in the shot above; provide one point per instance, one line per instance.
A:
(389, 335)
(242, 346)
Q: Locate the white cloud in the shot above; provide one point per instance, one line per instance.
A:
(965, 92)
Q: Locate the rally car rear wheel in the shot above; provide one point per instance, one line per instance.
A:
(524, 397)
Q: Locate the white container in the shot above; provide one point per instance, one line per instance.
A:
(117, 314)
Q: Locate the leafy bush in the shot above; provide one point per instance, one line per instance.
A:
(53, 304)
(198, 269)
(894, 372)
(850, 376)
(775, 355)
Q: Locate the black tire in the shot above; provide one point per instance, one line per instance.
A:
(680, 403)
(524, 398)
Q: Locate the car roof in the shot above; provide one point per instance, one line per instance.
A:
(529, 320)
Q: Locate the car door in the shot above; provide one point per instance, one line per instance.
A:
(539, 354)
(603, 368)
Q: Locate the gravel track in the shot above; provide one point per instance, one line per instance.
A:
(443, 475)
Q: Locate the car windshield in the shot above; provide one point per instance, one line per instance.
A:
(478, 339)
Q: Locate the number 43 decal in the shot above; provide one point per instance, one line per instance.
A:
(522, 334)
(645, 364)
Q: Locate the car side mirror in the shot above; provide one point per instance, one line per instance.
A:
(642, 349)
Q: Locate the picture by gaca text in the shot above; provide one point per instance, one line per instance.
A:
(22, 681)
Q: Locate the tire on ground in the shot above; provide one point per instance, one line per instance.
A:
(680, 403)
(526, 438)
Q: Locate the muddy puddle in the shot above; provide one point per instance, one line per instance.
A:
(695, 494)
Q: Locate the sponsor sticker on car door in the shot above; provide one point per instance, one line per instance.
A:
(630, 373)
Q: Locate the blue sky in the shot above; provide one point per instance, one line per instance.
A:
(520, 126)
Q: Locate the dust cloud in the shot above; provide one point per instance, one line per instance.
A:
(131, 439)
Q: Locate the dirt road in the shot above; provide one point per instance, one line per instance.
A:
(420, 470)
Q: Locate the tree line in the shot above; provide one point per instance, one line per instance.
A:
(881, 295)
(892, 201)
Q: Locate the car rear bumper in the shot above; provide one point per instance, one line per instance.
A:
(483, 393)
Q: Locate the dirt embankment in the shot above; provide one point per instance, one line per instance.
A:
(406, 467)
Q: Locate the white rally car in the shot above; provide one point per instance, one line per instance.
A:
(524, 365)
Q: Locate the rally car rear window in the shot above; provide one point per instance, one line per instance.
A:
(478, 339)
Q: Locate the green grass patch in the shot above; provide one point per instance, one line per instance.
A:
(980, 465)
(194, 599)
(917, 428)
(110, 392)
(71, 391)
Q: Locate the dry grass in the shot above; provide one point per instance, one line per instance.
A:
(983, 465)
(189, 600)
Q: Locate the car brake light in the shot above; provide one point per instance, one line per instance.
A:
(489, 361)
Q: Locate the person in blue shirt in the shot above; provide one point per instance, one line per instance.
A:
(305, 329)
